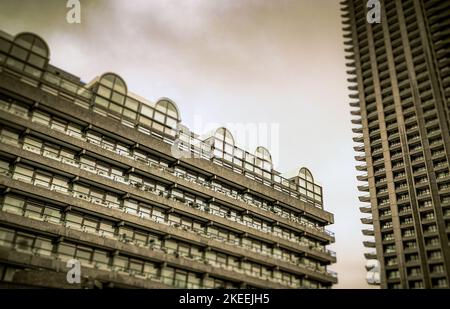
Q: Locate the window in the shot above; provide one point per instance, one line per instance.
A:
(23, 174)
(84, 254)
(100, 258)
(224, 144)
(10, 137)
(24, 243)
(29, 53)
(13, 204)
(180, 279)
(74, 220)
(40, 117)
(33, 210)
(42, 180)
(43, 246)
(120, 262)
(136, 266)
(6, 237)
(263, 159)
(111, 94)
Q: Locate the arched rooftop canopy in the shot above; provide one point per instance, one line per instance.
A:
(114, 82)
(264, 154)
(33, 42)
(168, 107)
(305, 174)
(223, 134)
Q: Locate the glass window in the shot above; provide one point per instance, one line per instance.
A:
(249, 158)
(6, 237)
(100, 257)
(103, 91)
(4, 45)
(73, 220)
(129, 114)
(52, 213)
(167, 274)
(136, 266)
(145, 121)
(119, 85)
(126, 233)
(33, 210)
(116, 108)
(41, 180)
(24, 243)
(84, 254)
(19, 52)
(107, 80)
(4, 167)
(33, 142)
(118, 98)
(120, 262)
(23, 174)
(180, 279)
(40, 117)
(158, 127)
(131, 104)
(37, 60)
(183, 250)
(13, 204)
(16, 64)
(69, 86)
(146, 111)
(171, 122)
(43, 246)
(101, 102)
(159, 117)
(193, 281)
(32, 71)
(59, 124)
(107, 229)
(150, 268)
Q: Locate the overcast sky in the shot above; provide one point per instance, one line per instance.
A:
(247, 61)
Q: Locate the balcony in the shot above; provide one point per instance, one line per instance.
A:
(358, 139)
(360, 158)
(358, 130)
(370, 255)
(367, 220)
(365, 210)
(374, 132)
(356, 121)
(363, 188)
(404, 210)
(364, 198)
(359, 148)
(412, 262)
(361, 168)
(368, 232)
(398, 166)
(369, 244)
(381, 181)
(355, 112)
(363, 177)
(403, 200)
(379, 171)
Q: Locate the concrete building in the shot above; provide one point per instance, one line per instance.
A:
(400, 81)
(93, 172)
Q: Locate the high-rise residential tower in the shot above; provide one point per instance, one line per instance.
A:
(91, 172)
(400, 81)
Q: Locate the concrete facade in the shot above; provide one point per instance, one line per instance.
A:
(87, 174)
(399, 75)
